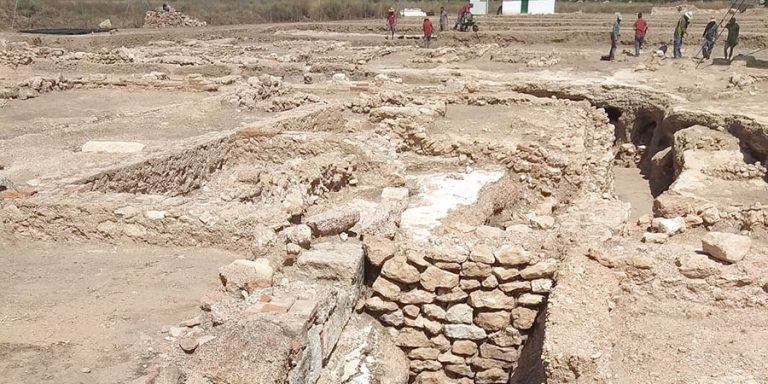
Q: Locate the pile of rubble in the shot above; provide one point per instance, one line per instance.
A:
(255, 90)
(20, 53)
(37, 85)
(169, 19)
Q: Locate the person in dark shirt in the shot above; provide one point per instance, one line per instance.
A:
(443, 18)
(710, 33)
(615, 36)
(733, 38)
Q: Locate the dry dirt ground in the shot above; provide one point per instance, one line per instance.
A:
(69, 307)
(502, 207)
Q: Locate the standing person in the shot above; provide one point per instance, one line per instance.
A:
(680, 30)
(427, 27)
(443, 18)
(462, 11)
(391, 21)
(733, 38)
(641, 28)
(710, 33)
(615, 36)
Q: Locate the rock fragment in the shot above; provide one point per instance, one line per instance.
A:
(726, 247)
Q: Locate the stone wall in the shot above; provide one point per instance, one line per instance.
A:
(460, 312)
(182, 172)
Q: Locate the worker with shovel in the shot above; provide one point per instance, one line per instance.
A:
(710, 33)
(680, 30)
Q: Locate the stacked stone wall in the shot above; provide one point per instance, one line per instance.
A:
(460, 313)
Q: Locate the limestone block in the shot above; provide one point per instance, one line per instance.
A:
(246, 274)
(298, 234)
(544, 268)
(394, 319)
(386, 288)
(726, 247)
(495, 299)
(515, 287)
(450, 358)
(112, 147)
(507, 337)
(469, 285)
(460, 369)
(481, 363)
(433, 278)
(523, 318)
(697, 266)
(505, 273)
(530, 300)
(412, 338)
(464, 331)
(452, 296)
(333, 222)
(482, 254)
(512, 255)
(493, 375)
(489, 351)
(333, 261)
(541, 285)
(379, 249)
(655, 238)
(376, 304)
(416, 296)
(493, 321)
(459, 313)
(398, 269)
(434, 311)
(464, 347)
(412, 310)
(424, 354)
(472, 269)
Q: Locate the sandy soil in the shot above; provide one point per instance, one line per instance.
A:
(69, 307)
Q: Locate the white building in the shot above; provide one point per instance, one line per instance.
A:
(536, 7)
(479, 7)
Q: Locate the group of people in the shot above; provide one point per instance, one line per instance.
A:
(681, 29)
(465, 13)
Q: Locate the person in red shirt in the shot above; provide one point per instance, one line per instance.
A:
(462, 11)
(641, 28)
(427, 27)
(391, 21)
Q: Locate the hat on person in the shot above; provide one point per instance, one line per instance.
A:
(689, 14)
(391, 9)
(618, 16)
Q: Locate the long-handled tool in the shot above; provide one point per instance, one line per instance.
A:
(720, 26)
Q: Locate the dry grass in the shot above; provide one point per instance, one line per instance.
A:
(130, 13)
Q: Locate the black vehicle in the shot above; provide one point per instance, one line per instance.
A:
(468, 23)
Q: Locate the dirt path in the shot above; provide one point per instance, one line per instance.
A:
(632, 188)
(64, 308)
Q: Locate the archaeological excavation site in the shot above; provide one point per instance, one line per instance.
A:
(311, 203)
